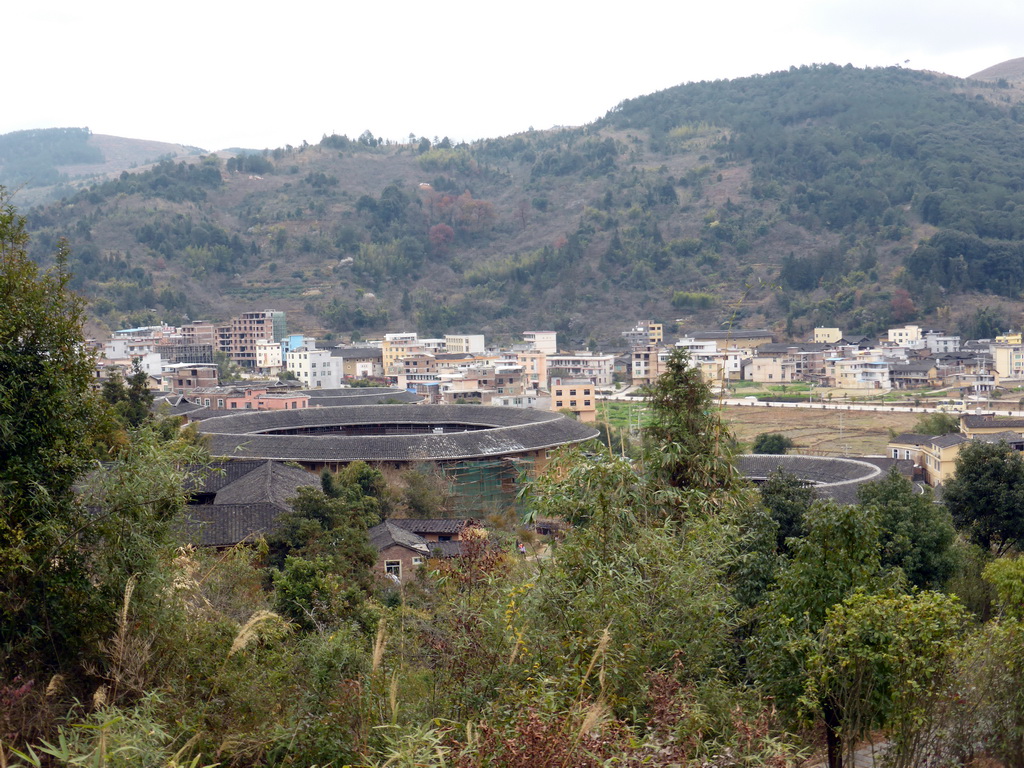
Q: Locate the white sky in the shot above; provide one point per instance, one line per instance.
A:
(223, 73)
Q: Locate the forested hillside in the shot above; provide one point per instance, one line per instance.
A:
(821, 195)
(53, 163)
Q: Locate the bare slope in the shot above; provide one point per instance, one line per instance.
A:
(1011, 71)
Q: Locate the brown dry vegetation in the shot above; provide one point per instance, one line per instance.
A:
(821, 432)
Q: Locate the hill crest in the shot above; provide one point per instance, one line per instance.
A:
(1011, 70)
(823, 195)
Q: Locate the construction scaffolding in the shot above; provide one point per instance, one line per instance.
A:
(486, 486)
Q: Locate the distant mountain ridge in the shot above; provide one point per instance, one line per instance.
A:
(824, 195)
(1011, 70)
(50, 163)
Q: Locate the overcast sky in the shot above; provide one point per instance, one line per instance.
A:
(217, 74)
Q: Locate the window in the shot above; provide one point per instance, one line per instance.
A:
(220, 402)
(558, 404)
(206, 402)
(234, 404)
(417, 561)
(248, 406)
(393, 568)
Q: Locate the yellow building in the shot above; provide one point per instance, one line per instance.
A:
(396, 346)
(1010, 338)
(934, 455)
(535, 364)
(1007, 360)
(576, 395)
(827, 335)
(974, 426)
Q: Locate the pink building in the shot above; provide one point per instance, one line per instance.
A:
(249, 399)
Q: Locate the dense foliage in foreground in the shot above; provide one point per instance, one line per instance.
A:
(684, 618)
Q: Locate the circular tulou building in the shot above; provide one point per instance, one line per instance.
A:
(484, 450)
(831, 477)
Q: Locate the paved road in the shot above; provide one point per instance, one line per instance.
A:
(865, 757)
(739, 401)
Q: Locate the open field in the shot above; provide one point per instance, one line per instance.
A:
(815, 432)
(820, 433)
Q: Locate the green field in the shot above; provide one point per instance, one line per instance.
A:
(623, 414)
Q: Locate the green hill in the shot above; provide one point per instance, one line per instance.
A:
(822, 195)
(53, 163)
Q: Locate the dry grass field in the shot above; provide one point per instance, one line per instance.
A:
(819, 432)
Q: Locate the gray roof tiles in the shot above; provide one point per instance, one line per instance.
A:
(833, 478)
(954, 438)
(387, 534)
(912, 438)
(224, 525)
(442, 526)
(497, 432)
(248, 497)
(972, 421)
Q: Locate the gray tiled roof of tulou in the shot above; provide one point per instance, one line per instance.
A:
(478, 432)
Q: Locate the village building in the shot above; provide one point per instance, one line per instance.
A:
(577, 396)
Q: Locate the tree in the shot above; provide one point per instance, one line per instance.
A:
(838, 555)
(227, 369)
(772, 442)
(46, 603)
(787, 499)
(331, 527)
(916, 534)
(902, 306)
(689, 449)
(992, 667)
(134, 405)
(879, 663)
(441, 237)
(986, 496)
(937, 424)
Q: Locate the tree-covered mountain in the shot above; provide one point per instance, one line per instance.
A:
(821, 195)
(53, 163)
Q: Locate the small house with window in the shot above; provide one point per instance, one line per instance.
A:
(405, 544)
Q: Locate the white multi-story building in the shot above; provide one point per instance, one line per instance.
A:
(542, 341)
(697, 347)
(315, 368)
(269, 358)
(463, 343)
(940, 343)
(860, 372)
(597, 369)
(907, 336)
